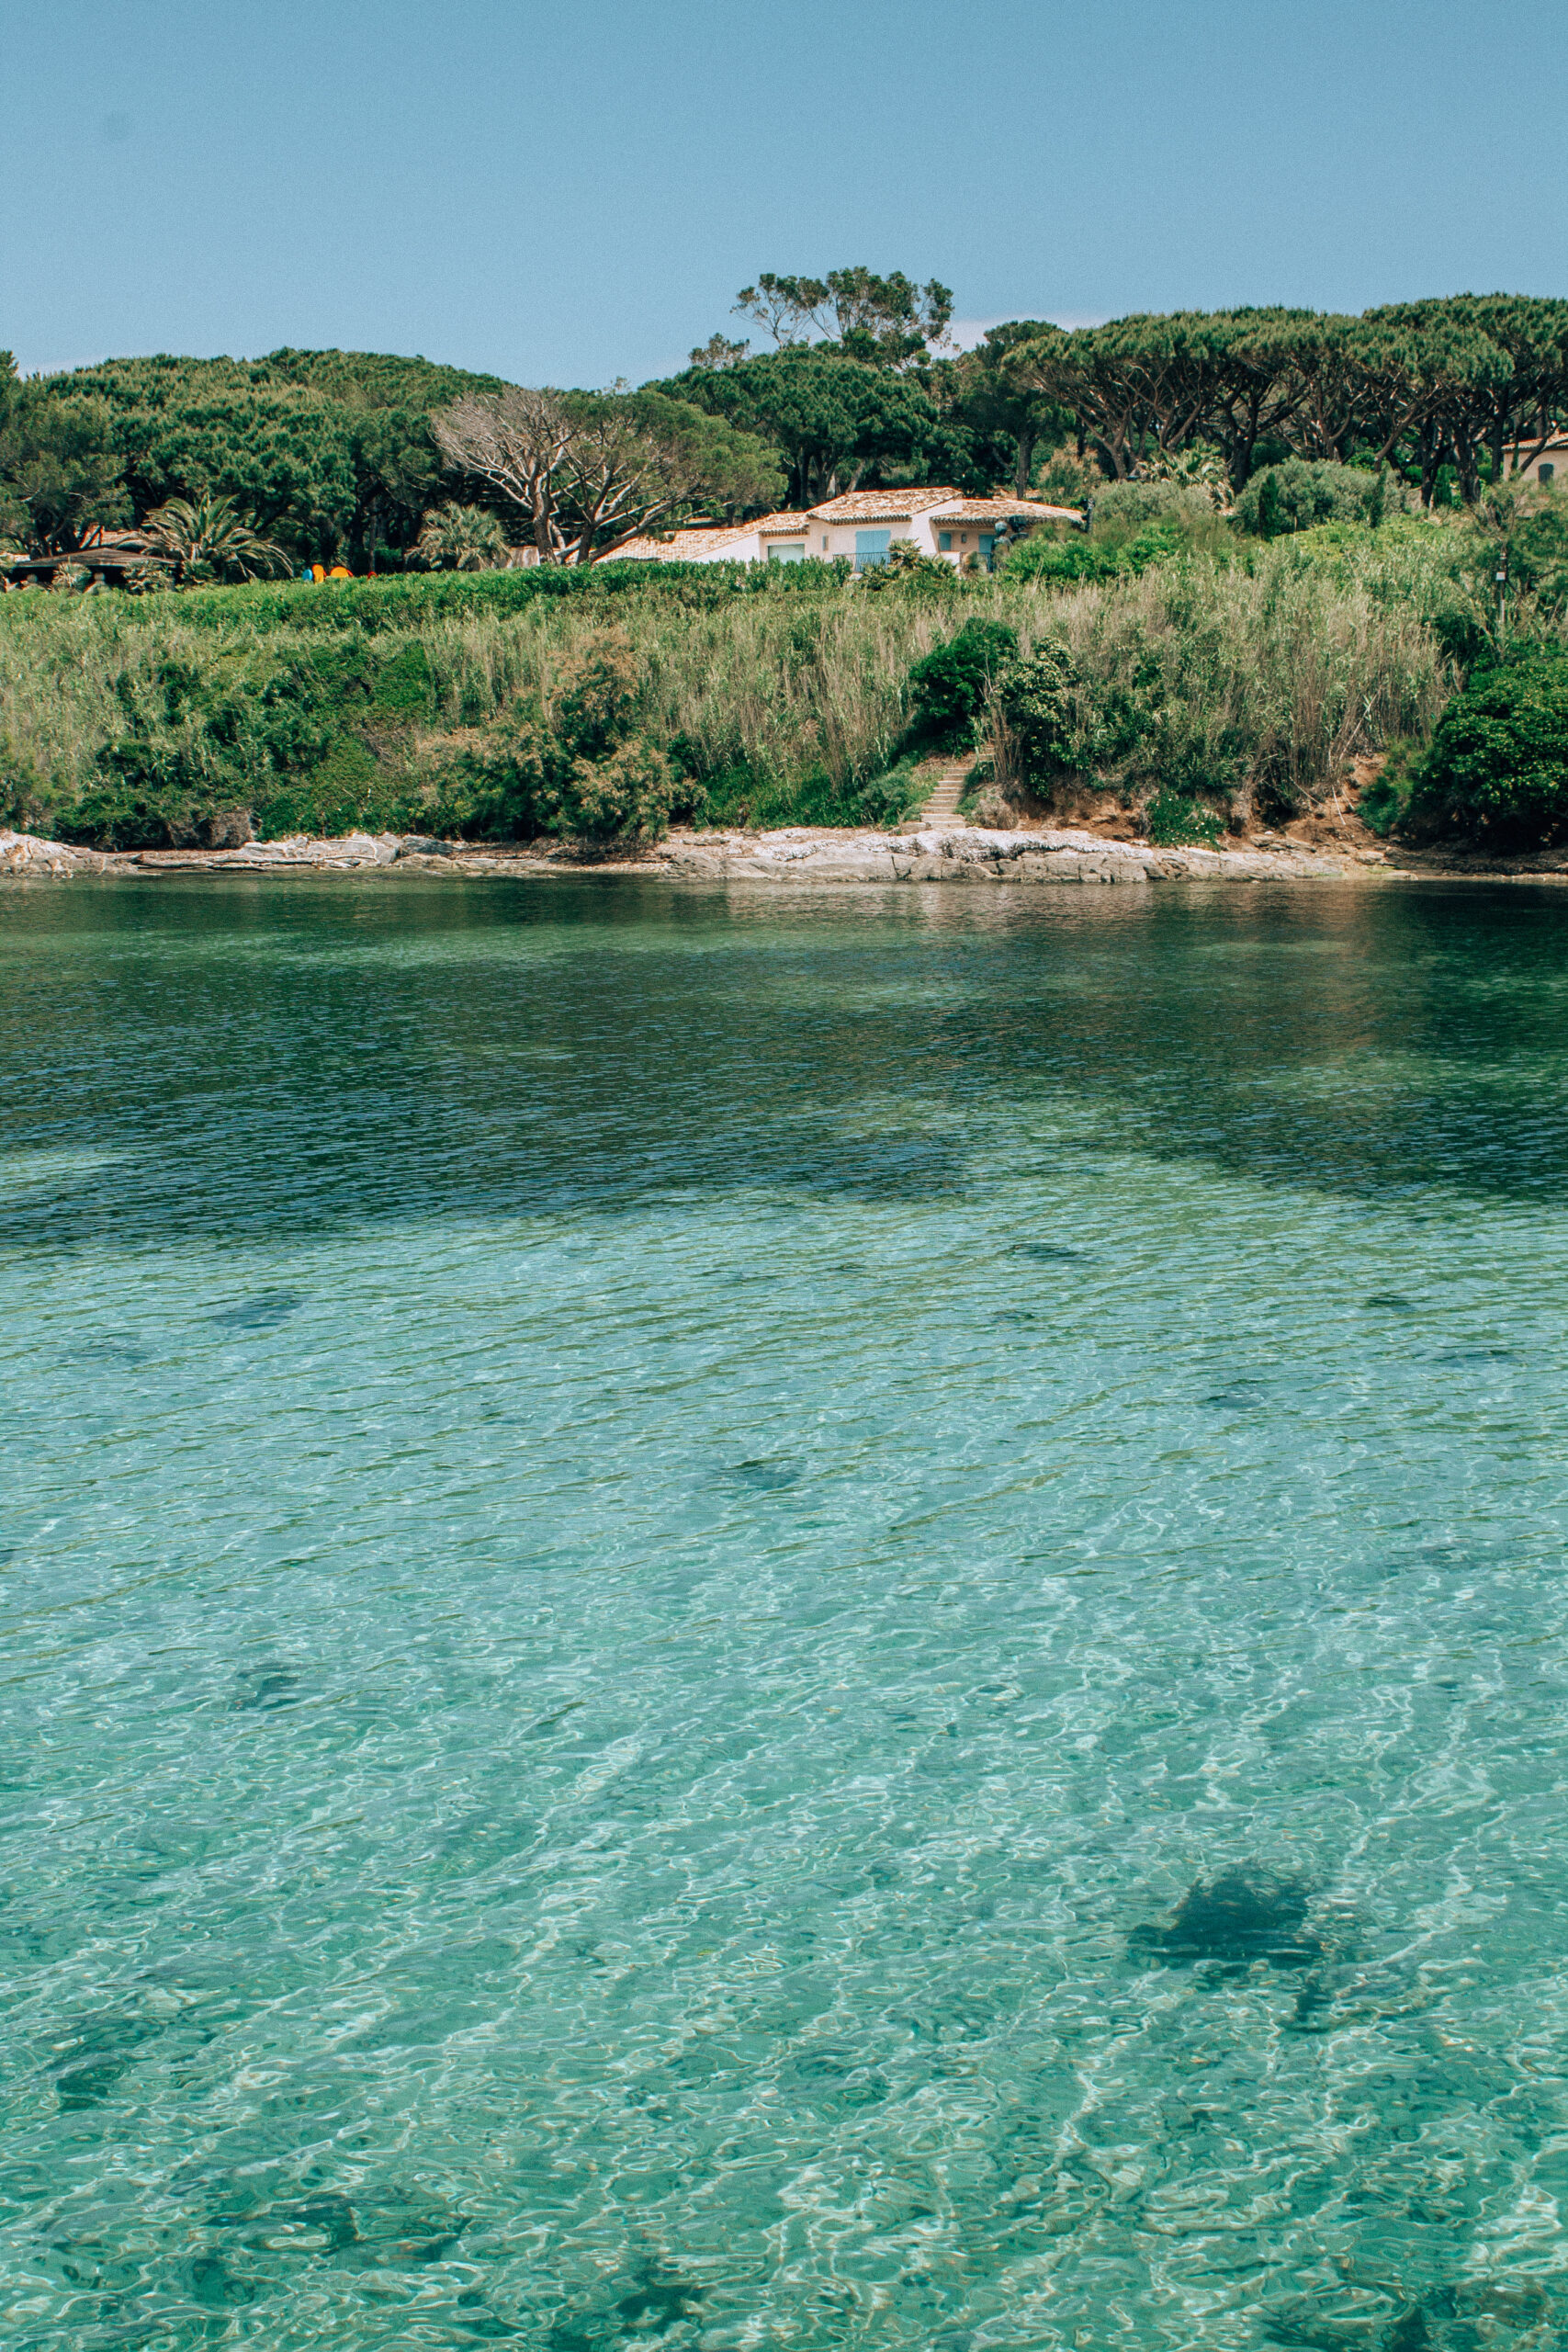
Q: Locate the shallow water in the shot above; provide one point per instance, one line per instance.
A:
(650, 1538)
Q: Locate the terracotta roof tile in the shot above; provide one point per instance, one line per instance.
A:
(881, 505)
(999, 510)
(678, 546)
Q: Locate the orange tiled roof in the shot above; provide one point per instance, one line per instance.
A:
(1000, 510)
(678, 545)
(773, 526)
(881, 505)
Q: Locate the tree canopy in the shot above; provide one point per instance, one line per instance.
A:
(888, 321)
(1425, 385)
(324, 451)
(584, 472)
(335, 453)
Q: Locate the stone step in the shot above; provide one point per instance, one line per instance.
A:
(945, 796)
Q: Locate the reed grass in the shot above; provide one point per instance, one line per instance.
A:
(1260, 680)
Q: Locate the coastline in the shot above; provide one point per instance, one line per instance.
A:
(797, 854)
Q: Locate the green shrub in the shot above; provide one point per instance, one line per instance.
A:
(1066, 562)
(1172, 821)
(1305, 491)
(888, 799)
(949, 687)
(625, 793)
(1123, 510)
(907, 569)
(1499, 754)
(744, 796)
(1032, 716)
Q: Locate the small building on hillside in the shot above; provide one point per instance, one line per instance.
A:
(776, 535)
(1538, 461)
(110, 558)
(861, 527)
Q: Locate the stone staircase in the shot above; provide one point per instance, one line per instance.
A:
(940, 811)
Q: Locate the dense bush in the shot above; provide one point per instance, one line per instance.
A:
(1122, 509)
(1032, 717)
(950, 687)
(1113, 556)
(445, 705)
(1305, 491)
(911, 571)
(1499, 756)
(1173, 821)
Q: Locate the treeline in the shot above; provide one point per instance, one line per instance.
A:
(326, 452)
(1435, 391)
(1421, 386)
(373, 460)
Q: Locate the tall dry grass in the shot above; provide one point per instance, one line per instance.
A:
(1258, 681)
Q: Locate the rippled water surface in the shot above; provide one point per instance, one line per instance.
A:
(649, 1539)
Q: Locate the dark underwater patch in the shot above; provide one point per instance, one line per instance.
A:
(1047, 1252)
(1236, 1396)
(266, 1686)
(261, 1312)
(105, 1351)
(1393, 1299)
(1243, 1915)
(760, 1477)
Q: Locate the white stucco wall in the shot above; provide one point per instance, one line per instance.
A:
(1554, 459)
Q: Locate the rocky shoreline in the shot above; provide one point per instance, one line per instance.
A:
(797, 856)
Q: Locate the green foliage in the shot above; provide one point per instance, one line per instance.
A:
(60, 471)
(1499, 756)
(1065, 561)
(454, 538)
(823, 413)
(889, 800)
(1296, 495)
(1385, 801)
(991, 398)
(209, 540)
(325, 449)
(1033, 715)
(744, 795)
(1173, 821)
(1123, 510)
(950, 686)
(1436, 388)
(886, 322)
(907, 569)
(452, 701)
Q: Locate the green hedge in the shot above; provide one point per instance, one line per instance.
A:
(408, 600)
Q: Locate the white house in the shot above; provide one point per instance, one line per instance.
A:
(719, 543)
(862, 527)
(1538, 461)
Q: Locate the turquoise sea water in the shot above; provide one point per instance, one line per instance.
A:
(642, 1530)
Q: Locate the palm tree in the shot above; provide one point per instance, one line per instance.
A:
(210, 539)
(461, 538)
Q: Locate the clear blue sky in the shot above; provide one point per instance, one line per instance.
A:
(573, 192)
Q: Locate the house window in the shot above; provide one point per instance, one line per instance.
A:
(786, 551)
(871, 547)
(944, 541)
(1544, 473)
(986, 545)
(824, 542)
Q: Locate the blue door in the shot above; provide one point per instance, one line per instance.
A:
(871, 547)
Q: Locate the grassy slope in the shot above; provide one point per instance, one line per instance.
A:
(322, 708)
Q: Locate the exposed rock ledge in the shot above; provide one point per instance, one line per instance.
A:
(796, 855)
